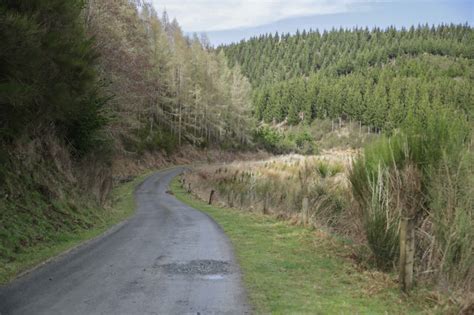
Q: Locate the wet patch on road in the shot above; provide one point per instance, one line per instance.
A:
(205, 267)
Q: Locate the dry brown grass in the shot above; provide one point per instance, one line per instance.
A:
(188, 155)
(277, 186)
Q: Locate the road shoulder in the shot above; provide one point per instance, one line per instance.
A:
(121, 209)
(291, 269)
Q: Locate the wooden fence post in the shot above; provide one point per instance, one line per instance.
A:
(210, 196)
(305, 210)
(407, 253)
(265, 204)
(231, 199)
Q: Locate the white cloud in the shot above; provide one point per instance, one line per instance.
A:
(213, 15)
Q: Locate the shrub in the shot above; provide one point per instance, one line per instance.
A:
(296, 141)
(425, 172)
(379, 155)
(304, 142)
(269, 138)
(146, 139)
(435, 134)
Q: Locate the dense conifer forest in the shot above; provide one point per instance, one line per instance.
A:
(377, 77)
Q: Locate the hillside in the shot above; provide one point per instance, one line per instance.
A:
(376, 77)
(90, 92)
(411, 88)
(274, 57)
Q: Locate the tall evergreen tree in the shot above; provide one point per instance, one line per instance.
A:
(47, 72)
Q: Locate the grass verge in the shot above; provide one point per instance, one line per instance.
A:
(290, 269)
(122, 207)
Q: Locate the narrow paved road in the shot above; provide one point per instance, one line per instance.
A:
(167, 259)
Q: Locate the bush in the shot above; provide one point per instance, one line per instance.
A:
(434, 134)
(151, 140)
(304, 142)
(269, 138)
(298, 141)
(274, 141)
(425, 172)
(379, 155)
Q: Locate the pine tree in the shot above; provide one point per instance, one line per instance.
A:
(48, 75)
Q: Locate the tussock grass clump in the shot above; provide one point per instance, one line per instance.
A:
(326, 169)
(424, 172)
(380, 223)
(450, 248)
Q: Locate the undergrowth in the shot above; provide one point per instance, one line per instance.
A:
(279, 185)
(424, 172)
(289, 269)
(49, 201)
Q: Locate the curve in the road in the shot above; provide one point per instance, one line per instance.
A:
(167, 259)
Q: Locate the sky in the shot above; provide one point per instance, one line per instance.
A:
(227, 21)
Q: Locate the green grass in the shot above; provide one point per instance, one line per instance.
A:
(122, 207)
(294, 270)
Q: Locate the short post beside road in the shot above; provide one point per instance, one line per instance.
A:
(305, 210)
(211, 195)
(407, 253)
(265, 205)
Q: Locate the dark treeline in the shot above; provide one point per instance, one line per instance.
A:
(373, 76)
(47, 73)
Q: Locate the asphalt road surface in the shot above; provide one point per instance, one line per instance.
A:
(167, 259)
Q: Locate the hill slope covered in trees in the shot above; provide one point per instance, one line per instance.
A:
(84, 84)
(377, 77)
(161, 79)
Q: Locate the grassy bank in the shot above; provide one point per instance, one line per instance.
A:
(122, 206)
(290, 269)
